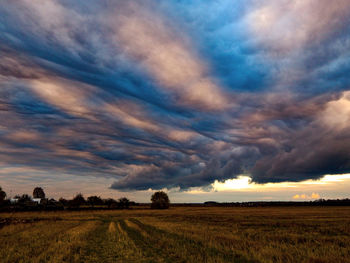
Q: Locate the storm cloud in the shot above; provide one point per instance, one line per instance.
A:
(176, 94)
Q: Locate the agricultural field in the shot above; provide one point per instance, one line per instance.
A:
(180, 234)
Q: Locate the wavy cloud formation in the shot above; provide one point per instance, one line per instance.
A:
(169, 94)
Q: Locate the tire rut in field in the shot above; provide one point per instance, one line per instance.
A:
(149, 252)
(136, 227)
(99, 245)
(67, 246)
(13, 233)
(178, 248)
(109, 243)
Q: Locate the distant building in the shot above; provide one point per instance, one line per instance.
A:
(14, 200)
(36, 200)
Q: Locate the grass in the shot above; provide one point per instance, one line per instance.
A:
(183, 234)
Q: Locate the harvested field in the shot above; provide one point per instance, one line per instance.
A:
(183, 234)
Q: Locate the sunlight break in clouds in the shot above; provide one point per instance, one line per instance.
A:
(244, 183)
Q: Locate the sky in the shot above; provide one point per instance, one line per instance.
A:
(208, 100)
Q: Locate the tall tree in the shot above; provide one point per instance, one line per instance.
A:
(24, 198)
(160, 200)
(110, 202)
(63, 201)
(124, 203)
(2, 195)
(94, 200)
(78, 200)
(38, 192)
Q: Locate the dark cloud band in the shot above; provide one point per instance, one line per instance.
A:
(175, 93)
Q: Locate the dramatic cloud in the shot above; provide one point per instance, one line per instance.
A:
(175, 94)
(166, 57)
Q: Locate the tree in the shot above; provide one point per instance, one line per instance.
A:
(110, 202)
(160, 200)
(24, 198)
(124, 203)
(78, 200)
(38, 192)
(94, 200)
(63, 201)
(2, 195)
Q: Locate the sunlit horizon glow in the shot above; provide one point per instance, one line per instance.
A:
(229, 100)
(245, 182)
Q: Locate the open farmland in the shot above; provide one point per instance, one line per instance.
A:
(181, 234)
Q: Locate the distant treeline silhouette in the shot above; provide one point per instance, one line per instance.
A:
(319, 202)
(39, 202)
(159, 200)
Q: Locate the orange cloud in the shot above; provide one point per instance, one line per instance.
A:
(287, 25)
(24, 136)
(304, 196)
(181, 135)
(69, 96)
(315, 196)
(165, 55)
(131, 114)
(135, 116)
(337, 113)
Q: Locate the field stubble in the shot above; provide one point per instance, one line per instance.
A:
(186, 234)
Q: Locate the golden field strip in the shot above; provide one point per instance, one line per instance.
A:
(180, 234)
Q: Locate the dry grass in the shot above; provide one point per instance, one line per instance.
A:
(187, 234)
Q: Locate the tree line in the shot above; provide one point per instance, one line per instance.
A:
(39, 201)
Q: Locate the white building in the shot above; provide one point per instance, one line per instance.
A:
(36, 200)
(14, 200)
